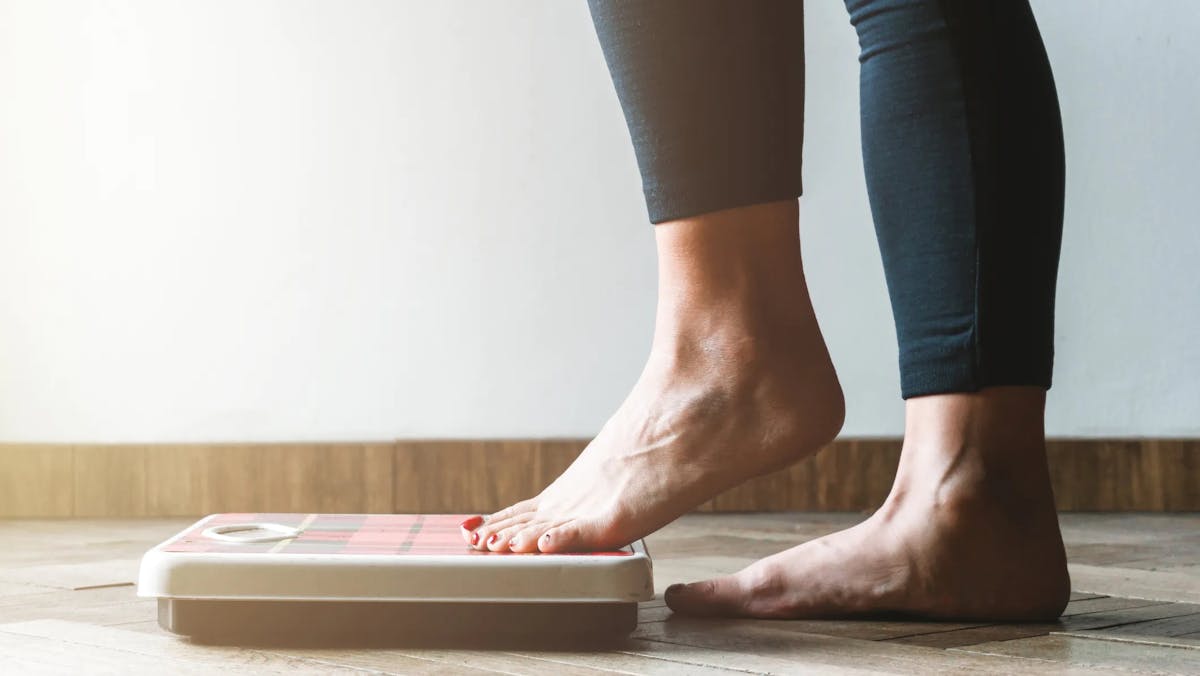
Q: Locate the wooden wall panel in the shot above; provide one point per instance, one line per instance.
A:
(36, 480)
(194, 479)
(484, 475)
(180, 485)
(294, 478)
(109, 480)
(476, 476)
(844, 476)
(1126, 475)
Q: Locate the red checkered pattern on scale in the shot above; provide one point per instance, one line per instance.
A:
(346, 534)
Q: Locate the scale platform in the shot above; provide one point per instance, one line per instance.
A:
(246, 578)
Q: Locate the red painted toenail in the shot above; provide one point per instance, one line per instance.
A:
(492, 540)
(474, 538)
(472, 523)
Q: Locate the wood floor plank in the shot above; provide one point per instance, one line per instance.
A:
(648, 614)
(505, 662)
(37, 656)
(1083, 652)
(629, 663)
(75, 575)
(1134, 610)
(1163, 552)
(1184, 558)
(958, 638)
(873, 630)
(734, 644)
(1101, 604)
(864, 630)
(1125, 527)
(22, 589)
(313, 662)
(1136, 583)
(1167, 626)
(88, 639)
(105, 606)
(382, 661)
(691, 569)
(1118, 618)
(689, 657)
(143, 625)
(1169, 631)
(82, 541)
(1191, 641)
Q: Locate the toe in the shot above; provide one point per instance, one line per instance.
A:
(489, 531)
(496, 542)
(523, 507)
(576, 535)
(468, 526)
(721, 596)
(525, 539)
(758, 590)
(501, 539)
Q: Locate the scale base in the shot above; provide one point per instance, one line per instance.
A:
(340, 623)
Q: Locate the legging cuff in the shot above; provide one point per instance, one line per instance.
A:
(961, 372)
(682, 200)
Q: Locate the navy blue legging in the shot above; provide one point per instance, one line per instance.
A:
(962, 147)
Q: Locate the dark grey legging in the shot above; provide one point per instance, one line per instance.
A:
(962, 146)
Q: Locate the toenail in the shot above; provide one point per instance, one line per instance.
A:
(472, 523)
(474, 538)
(492, 540)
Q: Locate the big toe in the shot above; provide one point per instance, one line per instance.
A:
(519, 509)
(721, 596)
(759, 590)
(577, 535)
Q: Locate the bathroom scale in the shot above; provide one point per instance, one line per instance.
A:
(381, 577)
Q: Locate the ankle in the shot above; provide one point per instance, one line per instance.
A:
(973, 451)
(737, 267)
(991, 419)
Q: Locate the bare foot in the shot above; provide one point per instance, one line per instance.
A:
(968, 532)
(738, 383)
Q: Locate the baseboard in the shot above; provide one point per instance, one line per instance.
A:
(55, 480)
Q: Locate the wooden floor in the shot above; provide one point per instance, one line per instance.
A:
(67, 605)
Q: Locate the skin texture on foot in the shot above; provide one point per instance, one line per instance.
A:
(738, 383)
(969, 531)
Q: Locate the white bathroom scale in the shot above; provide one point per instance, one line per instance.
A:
(381, 577)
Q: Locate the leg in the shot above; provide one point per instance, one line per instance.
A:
(738, 382)
(963, 150)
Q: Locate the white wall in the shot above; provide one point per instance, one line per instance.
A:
(270, 220)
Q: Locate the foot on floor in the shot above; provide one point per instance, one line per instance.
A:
(968, 532)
